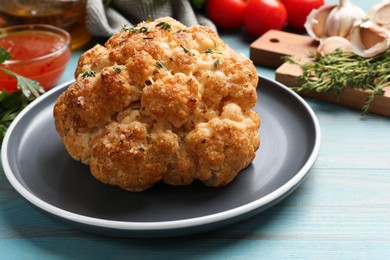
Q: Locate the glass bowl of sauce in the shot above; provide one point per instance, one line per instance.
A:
(39, 52)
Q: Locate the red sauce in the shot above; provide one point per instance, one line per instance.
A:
(27, 45)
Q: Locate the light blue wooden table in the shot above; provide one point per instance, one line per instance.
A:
(341, 211)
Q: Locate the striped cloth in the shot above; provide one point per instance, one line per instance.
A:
(105, 20)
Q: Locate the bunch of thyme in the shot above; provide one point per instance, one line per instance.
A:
(341, 69)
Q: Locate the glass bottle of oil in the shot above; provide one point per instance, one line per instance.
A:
(67, 14)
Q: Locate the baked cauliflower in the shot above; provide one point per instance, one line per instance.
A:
(161, 102)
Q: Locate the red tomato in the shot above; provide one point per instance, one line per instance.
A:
(298, 10)
(263, 15)
(226, 14)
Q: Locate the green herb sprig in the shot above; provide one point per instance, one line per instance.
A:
(214, 51)
(88, 74)
(208, 50)
(160, 65)
(340, 70)
(13, 103)
(186, 50)
(164, 25)
(134, 29)
(217, 62)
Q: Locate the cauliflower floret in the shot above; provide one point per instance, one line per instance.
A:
(157, 101)
(161, 102)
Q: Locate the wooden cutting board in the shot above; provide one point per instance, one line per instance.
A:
(269, 49)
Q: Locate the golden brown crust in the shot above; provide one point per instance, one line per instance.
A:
(161, 102)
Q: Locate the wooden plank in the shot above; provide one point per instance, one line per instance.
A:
(272, 46)
(268, 50)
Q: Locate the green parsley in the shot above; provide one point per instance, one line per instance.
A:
(10, 106)
(13, 103)
(4, 55)
(30, 88)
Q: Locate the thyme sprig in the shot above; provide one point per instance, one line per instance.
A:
(214, 51)
(88, 73)
(135, 29)
(186, 49)
(340, 70)
(217, 62)
(208, 50)
(160, 65)
(164, 25)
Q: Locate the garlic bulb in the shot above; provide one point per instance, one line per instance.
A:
(333, 20)
(331, 44)
(369, 39)
(380, 14)
(342, 18)
(316, 20)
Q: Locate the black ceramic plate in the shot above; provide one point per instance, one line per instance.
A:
(39, 168)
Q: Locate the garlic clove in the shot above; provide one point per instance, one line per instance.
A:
(331, 44)
(342, 18)
(369, 39)
(380, 13)
(316, 20)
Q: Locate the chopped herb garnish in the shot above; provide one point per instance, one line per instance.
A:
(117, 69)
(88, 73)
(160, 65)
(212, 51)
(186, 49)
(144, 29)
(135, 29)
(217, 62)
(164, 25)
(124, 28)
(182, 30)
